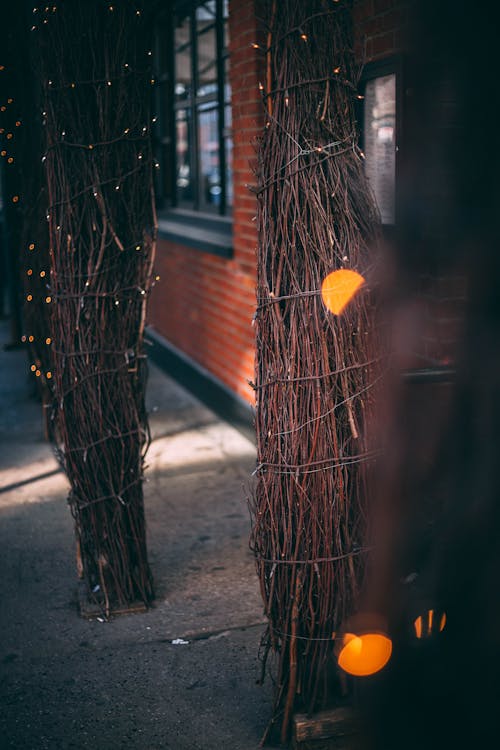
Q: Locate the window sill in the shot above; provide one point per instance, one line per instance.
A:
(210, 234)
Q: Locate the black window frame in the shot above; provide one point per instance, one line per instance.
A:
(393, 65)
(167, 106)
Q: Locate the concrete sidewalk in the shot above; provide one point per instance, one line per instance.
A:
(72, 683)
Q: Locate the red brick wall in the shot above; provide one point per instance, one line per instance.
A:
(380, 28)
(203, 304)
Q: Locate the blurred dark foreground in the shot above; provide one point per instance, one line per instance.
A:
(438, 496)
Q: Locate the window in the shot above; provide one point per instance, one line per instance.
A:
(195, 144)
(379, 123)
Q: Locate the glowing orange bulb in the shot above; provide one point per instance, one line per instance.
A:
(31, 246)
(10, 160)
(3, 152)
(29, 271)
(9, 136)
(23, 339)
(48, 299)
(18, 123)
(426, 626)
(38, 373)
(3, 108)
(33, 368)
(15, 199)
(339, 288)
(49, 375)
(31, 339)
(9, 101)
(29, 297)
(366, 654)
(48, 341)
(42, 274)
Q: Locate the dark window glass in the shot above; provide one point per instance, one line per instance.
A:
(379, 128)
(197, 137)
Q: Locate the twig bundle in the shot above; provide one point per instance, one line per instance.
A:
(314, 370)
(96, 77)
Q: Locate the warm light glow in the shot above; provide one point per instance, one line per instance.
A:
(29, 297)
(339, 288)
(48, 341)
(10, 160)
(33, 368)
(48, 299)
(425, 625)
(42, 274)
(49, 375)
(38, 373)
(31, 339)
(29, 271)
(31, 246)
(15, 199)
(366, 654)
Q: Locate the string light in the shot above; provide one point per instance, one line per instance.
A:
(15, 199)
(336, 70)
(48, 340)
(48, 375)
(31, 339)
(23, 339)
(29, 271)
(48, 300)
(18, 123)
(31, 246)
(3, 153)
(10, 160)
(38, 373)
(33, 367)
(42, 274)
(29, 298)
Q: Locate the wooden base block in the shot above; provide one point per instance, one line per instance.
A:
(92, 610)
(334, 729)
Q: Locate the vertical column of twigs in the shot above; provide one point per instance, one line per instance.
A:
(314, 371)
(95, 63)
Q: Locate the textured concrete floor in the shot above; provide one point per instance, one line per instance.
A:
(71, 683)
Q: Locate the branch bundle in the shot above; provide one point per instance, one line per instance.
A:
(314, 370)
(97, 83)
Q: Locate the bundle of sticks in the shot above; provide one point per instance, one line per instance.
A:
(315, 370)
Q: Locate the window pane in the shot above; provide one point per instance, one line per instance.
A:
(207, 60)
(184, 177)
(209, 157)
(183, 53)
(380, 142)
